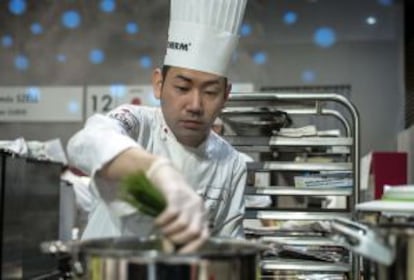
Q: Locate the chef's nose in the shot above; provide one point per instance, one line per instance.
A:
(195, 102)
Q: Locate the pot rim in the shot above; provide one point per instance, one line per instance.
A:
(95, 247)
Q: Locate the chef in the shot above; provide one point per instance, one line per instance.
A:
(201, 176)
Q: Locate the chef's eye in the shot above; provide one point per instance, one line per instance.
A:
(212, 92)
(182, 89)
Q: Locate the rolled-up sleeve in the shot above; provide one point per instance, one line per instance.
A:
(103, 138)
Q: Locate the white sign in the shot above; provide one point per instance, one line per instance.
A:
(102, 99)
(41, 104)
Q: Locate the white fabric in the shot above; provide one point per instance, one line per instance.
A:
(202, 34)
(215, 170)
(81, 187)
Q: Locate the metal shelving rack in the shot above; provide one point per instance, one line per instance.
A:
(302, 104)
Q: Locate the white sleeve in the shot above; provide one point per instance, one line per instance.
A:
(231, 224)
(103, 138)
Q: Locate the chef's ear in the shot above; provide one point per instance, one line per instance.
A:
(157, 82)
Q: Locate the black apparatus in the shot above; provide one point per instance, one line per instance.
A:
(29, 215)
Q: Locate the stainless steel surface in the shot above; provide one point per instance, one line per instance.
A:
(132, 258)
(292, 240)
(67, 212)
(276, 190)
(254, 149)
(310, 141)
(313, 104)
(29, 215)
(299, 166)
(387, 248)
(292, 111)
(293, 215)
(401, 238)
(295, 265)
(362, 240)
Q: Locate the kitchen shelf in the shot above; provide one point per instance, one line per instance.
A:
(254, 149)
(286, 215)
(299, 166)
(293, 191)
(300, 241)
(277, 155)
(289, 141)
(304, 266)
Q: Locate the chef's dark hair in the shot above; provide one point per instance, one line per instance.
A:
(165, 69)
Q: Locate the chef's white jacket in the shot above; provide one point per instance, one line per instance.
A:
(214, 169)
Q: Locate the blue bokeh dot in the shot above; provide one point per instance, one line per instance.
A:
(73, 107)
(21, 62)
(131, 28)
(33, 93)
(245, 30)
(61, 58)
(96, 56)
(145, 62)
(107, 6)
(17, 7)
(118, 90)
(7, 41)
(36, 28)
(290, 18)
(308, 76)
(71, 19)
(324, 37)
(260, 58)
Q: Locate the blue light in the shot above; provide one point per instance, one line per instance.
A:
(71, 19)
(131, 28)
(61, 58)
(290, 18)
(7, 41)
(324, 37)
(21, 62)
(33, 93)
(245, 30)
(308, 76)
(17, 7)
(36, 28)
(96, 56)
(107, 6)
(73, 106)
(118, 90)
(386, 2)
(152, 100)
(145, 62)
(260, 58)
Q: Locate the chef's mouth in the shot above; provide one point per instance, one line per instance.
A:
(190, 124)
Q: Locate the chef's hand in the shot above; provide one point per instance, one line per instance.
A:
(184, 221)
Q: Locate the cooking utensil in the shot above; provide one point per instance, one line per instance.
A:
(133, 258)
(388, 248)
(362, 240)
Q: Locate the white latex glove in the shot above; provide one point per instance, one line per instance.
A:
(184, 221)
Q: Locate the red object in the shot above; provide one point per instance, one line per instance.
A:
(136, 101)
(388, 168)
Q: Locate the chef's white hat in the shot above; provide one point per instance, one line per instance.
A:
(203, 34)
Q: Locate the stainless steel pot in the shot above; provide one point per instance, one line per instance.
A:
(132, 258)
(388, 248)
